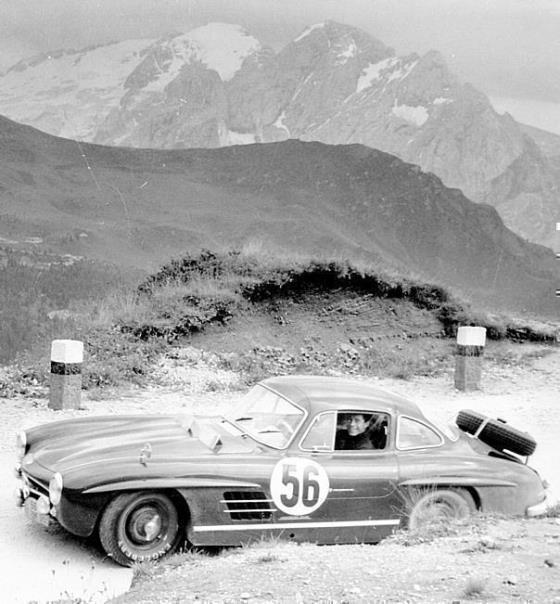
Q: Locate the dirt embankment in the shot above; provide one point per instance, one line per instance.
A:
(491, 560)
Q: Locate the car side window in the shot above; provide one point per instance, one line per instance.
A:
(320, 436)
(361, 431)
(413, 434)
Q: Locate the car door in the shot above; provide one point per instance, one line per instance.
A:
(337, 496)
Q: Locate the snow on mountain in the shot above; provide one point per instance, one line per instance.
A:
(415, 115)
(223, 47)
(373, 72)
(308, 30)
(70, 93)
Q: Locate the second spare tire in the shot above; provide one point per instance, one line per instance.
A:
(496, 433)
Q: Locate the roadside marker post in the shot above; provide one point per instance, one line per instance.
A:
(66, 374)
(468, 357)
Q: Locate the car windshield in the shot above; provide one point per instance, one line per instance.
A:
(267, 417)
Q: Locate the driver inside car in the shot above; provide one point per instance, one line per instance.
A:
(353, 434)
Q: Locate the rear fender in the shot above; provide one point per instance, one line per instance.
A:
(488, 494)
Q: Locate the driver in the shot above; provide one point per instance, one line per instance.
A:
(353, 435)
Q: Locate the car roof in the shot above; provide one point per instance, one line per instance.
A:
(318, 393)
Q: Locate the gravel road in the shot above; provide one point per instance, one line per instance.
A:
(38, 566)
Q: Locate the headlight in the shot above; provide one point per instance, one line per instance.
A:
(21, 444)
(55, 488)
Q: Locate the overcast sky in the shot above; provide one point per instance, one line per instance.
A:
(510, 49)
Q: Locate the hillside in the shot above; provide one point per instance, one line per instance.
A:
(140, 207)
(217, 85)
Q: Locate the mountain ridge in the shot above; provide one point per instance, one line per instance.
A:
(217, 85)
(140, 207)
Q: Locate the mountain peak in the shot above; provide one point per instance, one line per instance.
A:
(338, 35)
(221, 47)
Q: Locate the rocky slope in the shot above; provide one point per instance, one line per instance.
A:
(217, 85)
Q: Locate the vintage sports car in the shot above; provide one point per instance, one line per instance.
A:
(305, 458)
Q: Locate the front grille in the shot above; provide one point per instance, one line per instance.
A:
(247, 505)
(35, 486)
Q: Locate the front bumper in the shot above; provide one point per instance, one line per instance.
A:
(540, 509)
(36, 504)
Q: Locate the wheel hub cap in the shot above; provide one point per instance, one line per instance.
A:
(145, 526)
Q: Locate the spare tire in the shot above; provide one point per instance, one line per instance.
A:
(496, 433)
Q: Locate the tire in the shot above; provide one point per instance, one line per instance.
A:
(496, 433)
(440, 505)
(140, 526)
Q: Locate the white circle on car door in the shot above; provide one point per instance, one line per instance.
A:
(298, 486)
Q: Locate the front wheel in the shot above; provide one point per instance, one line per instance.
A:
(440, 505)
(141, 526)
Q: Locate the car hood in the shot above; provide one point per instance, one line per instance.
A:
(132, 439)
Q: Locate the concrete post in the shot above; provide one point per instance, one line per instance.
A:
(66, 374)
(468, 357)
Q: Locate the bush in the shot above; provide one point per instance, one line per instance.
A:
(29, 294)
(114, 358)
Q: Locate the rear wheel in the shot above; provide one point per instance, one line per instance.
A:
(439, 506)
(141, 526)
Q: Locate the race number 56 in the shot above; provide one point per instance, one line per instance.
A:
(298, 486)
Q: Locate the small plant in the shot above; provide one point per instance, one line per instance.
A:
(144, 571)
(268, 557)
(553, 511)
(475, 587)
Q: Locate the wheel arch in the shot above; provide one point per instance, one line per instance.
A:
(122, 525)
(429, 504)
(174, 495)
(423, 486)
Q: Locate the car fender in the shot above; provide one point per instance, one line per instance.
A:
(457, 481)
(490, 494)
(169, 483)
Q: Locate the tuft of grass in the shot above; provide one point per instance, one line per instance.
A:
(145, 571)
(553, 511)
(268, 557)
(475, 587)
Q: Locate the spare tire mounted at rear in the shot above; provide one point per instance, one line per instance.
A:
(496, 433)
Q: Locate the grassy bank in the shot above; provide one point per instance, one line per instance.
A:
(126, 327)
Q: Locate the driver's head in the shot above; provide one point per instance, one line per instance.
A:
(355, 423)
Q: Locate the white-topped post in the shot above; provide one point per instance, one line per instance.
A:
(468, 357)
(66, 374)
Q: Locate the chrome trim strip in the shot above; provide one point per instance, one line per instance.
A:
(245, 500)
(294, 525)
(250, 511)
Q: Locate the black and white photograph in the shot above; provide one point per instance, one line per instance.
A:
(279, 301)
